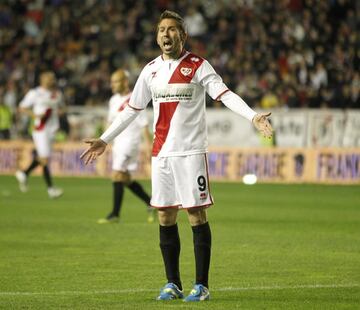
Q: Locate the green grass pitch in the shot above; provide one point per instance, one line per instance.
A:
(274, 247)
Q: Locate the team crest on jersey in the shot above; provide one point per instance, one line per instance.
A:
(185, 71)
(194, 59)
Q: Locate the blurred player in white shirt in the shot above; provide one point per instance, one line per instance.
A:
(125, 149)
(42, 104)
(176, 83)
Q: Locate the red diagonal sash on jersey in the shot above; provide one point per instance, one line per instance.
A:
(183, 74)
(166, 112)
(44, 119)
(186, 69)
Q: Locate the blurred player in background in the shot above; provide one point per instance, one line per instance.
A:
(42, 104)
(176, 83)
(125, 149)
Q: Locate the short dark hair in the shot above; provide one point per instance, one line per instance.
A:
(179, 22)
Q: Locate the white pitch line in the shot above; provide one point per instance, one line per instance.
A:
(220, 289)
(277, 287)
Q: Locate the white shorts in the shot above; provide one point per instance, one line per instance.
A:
(43, 143)
(121, 161)
(180, 182)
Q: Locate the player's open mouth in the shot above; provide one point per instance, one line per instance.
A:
(167, 43)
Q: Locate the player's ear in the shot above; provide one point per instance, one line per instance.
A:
(184, 36)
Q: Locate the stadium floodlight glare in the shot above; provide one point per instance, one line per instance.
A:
(249, 179)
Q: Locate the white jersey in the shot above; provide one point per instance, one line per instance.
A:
(177, 89)
(44, 104)
(130, 138)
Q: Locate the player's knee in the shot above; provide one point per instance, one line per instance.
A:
(167, 217)
(197, 216)
(43, 161)
(120, 176)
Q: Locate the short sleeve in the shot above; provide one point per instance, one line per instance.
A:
(210, 80)
(29, 99)
(141, 94)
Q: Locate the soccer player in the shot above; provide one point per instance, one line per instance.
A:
(42, 104)
(125, 148)
(176, 82)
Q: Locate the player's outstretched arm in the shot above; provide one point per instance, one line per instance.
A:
(262, 124)
(239, 106)
(96, 148)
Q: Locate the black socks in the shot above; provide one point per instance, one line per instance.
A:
(47, 177)
(32, 166)
(46, 171)
(202, 250)
(170, 250)
(118, 193)
(138, 190)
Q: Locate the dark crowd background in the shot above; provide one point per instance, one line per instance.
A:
(279, 53)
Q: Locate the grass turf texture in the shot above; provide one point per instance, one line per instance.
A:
(274, 247)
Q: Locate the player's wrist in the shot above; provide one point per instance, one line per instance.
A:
(254, 118)
(104, 142)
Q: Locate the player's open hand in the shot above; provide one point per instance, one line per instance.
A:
(96, 148)
(262, 124)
